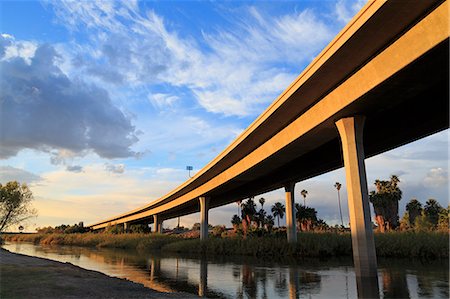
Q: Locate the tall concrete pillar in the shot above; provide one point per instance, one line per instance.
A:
(290, 213)
(204, 207)
(364, 256)
(125, 227)
(157, 224)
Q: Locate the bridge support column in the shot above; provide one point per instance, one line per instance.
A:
(204, 207)
(157, 224)
(125, 227)
(364, 255)
(290, 213)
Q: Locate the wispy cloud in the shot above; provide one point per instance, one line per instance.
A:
(115, 168)
(345, 9)
(9, 173)
(232, 71)
(75, 168)
(163, 100)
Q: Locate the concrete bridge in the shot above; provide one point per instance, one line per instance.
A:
(386, 74)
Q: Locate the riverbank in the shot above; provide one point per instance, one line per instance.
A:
(427, 245)
(31, 277)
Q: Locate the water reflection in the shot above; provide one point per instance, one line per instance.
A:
(252, 278)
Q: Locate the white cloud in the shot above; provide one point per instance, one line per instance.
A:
(162, 100)
(10, 48)
(345, 10)
(436, 177)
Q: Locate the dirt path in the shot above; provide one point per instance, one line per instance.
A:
(23, 276)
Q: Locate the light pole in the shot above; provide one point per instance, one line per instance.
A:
(188, 168)
(338, 187)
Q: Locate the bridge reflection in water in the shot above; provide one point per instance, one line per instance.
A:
(252, 278)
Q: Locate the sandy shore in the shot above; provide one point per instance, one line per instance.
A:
(23, 276)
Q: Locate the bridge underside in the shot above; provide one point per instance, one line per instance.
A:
(410, 105)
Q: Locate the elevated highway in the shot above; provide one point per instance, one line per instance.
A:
(389, 66)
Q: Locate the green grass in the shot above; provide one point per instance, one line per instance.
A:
(395, 244)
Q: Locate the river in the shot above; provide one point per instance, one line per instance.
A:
(246, 277)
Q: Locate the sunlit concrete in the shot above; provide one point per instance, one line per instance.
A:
(363, 244)
(204, 210)
(290, 213)
(157, 224)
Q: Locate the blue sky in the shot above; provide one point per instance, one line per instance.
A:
(105, 103)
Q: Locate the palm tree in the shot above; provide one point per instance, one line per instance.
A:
(236, 220)
(261, 215)
(306, 217)
(338, 186)
(432, 209)
(268, 223)
(385, 203)
(239, 203)
(248, 211)
(278, 211)
(304, 193)
(414, 209)
(262, 200)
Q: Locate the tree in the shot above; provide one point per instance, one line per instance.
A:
(432, 209)
(443, 221)
(248, 211)
(235, 221)
(239, 202)
(321, 225)
(269, 222)
(422, 223)
(338, 186)
(278, 211)
(306, 217)
(260, 217)
(304, 193)
(262, 200)
(385, 203)
(414, 209)
(15, 204)
(405, 222)
(218, 230)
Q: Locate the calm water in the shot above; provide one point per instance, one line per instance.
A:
(250, 278)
